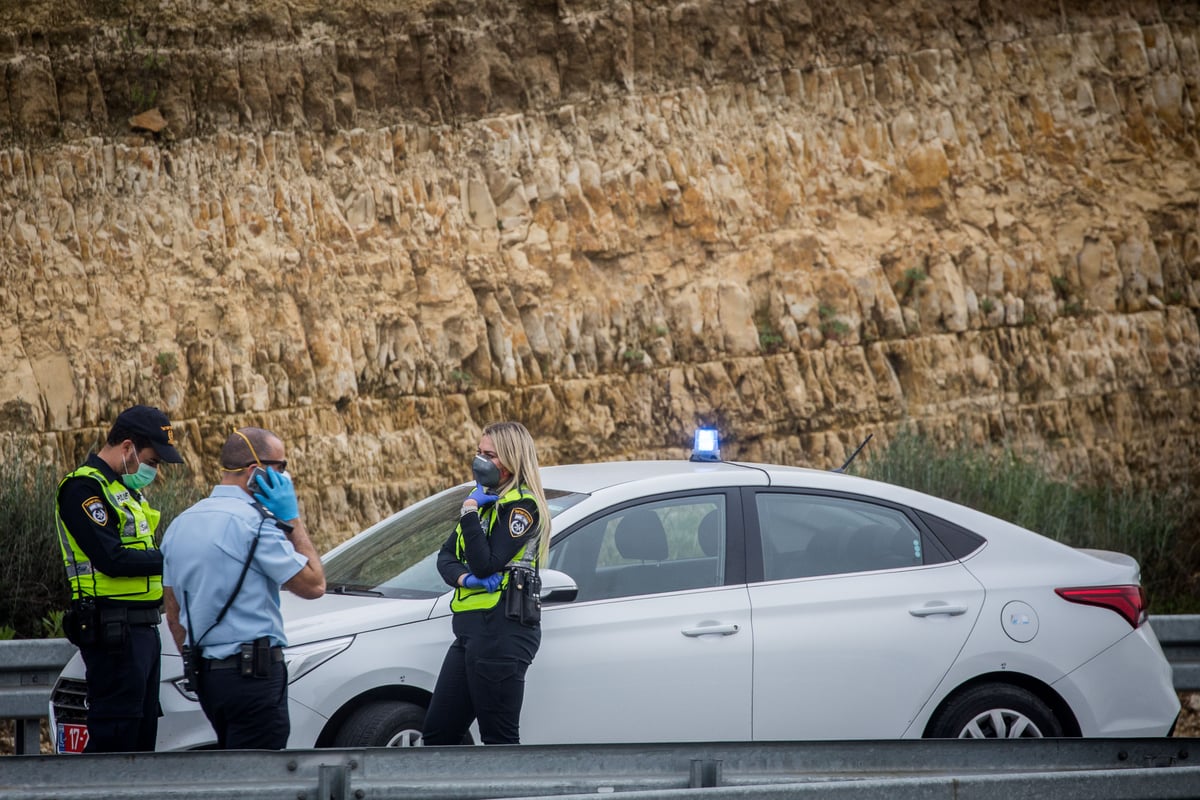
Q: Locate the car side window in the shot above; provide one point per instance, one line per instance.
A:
(808, 535)
(662, 546)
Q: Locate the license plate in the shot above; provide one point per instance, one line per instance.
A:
(72, 738)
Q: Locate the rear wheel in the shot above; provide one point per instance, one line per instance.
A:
(995, 711)
(383, 723)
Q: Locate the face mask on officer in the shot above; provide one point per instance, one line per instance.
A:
(486, 473)
(141, 479)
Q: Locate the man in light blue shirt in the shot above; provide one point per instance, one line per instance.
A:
(224, 562)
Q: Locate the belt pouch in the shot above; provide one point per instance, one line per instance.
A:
(262, 657)
(522, 598)
(114, 628)
(246, 660)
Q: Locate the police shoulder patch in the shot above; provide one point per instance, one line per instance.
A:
(94, 507)
(519, 523)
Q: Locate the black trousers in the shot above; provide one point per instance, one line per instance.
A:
(482, 677)
(122, 693)
(246, 713)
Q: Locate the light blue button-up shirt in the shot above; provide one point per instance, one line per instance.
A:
(203, 552)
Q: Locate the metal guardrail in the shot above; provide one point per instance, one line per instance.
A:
(1179, 636)
(1087, 769)
(29, 667)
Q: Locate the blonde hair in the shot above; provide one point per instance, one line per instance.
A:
(516, 451)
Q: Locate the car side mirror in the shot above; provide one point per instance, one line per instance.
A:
(557, 587)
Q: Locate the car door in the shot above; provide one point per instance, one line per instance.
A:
(857, 616)
(657, 646)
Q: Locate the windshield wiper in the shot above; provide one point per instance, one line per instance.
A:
(359, 591)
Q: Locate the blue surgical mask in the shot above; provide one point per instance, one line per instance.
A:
(142, 478)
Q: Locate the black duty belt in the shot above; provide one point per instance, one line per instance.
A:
(143, 616)
(88, 609)
(232, 662)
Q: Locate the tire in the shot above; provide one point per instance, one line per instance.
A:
(383, 723)
(995, 711)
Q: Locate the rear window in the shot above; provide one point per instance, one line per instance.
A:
(958, 541)
(806, 535)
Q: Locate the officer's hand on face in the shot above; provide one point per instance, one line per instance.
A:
(277, 494)
(491, 582)
(480, 496)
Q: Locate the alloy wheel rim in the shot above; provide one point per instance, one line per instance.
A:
(1001, 723)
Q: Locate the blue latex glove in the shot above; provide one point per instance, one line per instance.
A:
(491, 582)
(277, 494)
(480, 496)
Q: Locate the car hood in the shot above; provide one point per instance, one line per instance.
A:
(334, 615)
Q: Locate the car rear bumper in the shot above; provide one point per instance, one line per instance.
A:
(1127, 690)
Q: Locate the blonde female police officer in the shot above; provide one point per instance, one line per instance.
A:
(483, 675)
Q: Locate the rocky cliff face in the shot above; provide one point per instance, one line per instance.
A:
(373, 227)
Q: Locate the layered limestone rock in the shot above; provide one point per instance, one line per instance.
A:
(374, 229)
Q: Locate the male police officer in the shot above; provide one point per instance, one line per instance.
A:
(106, 530)
(227, 557)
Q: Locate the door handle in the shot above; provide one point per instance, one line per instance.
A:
(936, 608)
(712, 629)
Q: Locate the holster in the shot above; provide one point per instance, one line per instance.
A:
(255, 658)
(522, 598)
(80, 623)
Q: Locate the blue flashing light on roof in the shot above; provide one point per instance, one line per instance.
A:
(707, 446)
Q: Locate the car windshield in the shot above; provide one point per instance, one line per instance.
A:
(399, 558)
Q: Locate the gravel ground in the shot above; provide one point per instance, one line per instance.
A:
(1189, 718)
(1189, 725)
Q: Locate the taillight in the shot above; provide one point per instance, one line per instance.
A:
(1128, 601)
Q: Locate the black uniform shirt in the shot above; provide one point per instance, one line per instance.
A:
(102, 543)
(487, 555)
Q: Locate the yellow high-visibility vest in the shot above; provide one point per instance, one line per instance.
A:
(479, 599)
(136, 521)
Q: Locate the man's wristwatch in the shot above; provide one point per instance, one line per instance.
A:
(466, 509)
(286, 527)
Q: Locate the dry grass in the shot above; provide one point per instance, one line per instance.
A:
(7, 744)
(1189, 718)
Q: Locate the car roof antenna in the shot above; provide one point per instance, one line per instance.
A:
(857, 450)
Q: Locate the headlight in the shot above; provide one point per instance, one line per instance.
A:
(181, 685)
(304, 658)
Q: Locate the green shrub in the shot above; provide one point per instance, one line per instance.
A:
(831, 327)
(769, 338)
(32, 572)
(167, 362)
(909, 282)
(1002, 483)
(34, 580)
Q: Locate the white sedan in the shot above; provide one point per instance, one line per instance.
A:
(721, 601)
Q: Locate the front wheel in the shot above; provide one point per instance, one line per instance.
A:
(384, 723)
(995, 711)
